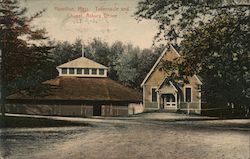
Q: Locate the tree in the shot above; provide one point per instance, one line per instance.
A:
(116, 51)
(147, 59)
(214, 40)
(219, 51)
(127, 64)
(127, 67)
(177, 17)
(25, 54)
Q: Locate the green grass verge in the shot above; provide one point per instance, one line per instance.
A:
(29, 122)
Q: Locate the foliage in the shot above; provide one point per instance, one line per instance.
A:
(25, 54)
(177, 17)
(214, 41)
(219, 51)
(127, 64)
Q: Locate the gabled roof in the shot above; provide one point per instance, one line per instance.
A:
(170, 83)
(198, 78)
(158, 61)
(82, 62)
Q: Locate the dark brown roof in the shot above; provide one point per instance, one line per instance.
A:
(90, 89)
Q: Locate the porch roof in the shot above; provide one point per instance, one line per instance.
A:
(166, 80)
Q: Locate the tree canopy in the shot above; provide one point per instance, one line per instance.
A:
(220, 53)
(127, 64)
(25, 54)
(213, 37)
(177, 17)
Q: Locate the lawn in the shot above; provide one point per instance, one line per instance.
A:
(29, 122)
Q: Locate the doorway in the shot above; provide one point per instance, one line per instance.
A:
(97, 110)
(168, 100)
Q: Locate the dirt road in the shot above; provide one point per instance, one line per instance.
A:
(144, 136)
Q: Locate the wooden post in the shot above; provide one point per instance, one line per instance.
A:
(2, 84)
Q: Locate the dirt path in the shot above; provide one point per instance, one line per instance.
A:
(143, 137)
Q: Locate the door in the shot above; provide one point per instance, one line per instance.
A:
(97, 110)
(169, 100)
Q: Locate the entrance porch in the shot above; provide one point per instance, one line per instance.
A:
(168, 101)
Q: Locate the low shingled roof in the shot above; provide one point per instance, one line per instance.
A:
(82, 62)
(90, 89)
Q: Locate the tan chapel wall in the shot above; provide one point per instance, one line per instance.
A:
(155, 79)
(157, 76)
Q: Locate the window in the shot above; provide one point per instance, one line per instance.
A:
(64, 70)
(101, 71)
(86, 71)
(188, 95)
(154, 95)
(79, 71)
(199, 87)
(71, 70)
(94, 71)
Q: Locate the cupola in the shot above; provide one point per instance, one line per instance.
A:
(82, 67)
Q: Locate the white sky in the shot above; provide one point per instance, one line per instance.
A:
(64, 21)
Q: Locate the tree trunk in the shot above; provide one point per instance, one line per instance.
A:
(2, 83)
(2, 96)
(3, 109)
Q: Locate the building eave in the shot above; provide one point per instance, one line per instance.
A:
(171, 83)
(198, 79)
(157, 62)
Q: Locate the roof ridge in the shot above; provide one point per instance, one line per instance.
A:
(158, 61)
(78, 63)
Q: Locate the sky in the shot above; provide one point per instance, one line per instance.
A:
(109, 20)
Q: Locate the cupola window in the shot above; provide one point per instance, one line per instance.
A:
(71, 71)
(94, 71)
(86, 71)
(101, 71)
(82, 67)
(64, 70)
(79, 71)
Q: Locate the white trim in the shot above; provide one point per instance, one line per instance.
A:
(184, 92)
(170, 84)
(157, 62)
(158, 100)
(173, 86)
(197, 78)
(152, 69)
(151, 94)
(172, 47)
(176, 102)
(161, 83)
(143, 96)
(83, 74)
(199, 95)
(175, 98)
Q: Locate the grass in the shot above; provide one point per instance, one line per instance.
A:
(29, 122)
